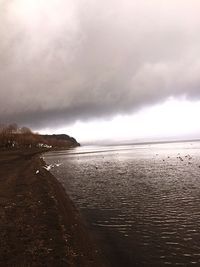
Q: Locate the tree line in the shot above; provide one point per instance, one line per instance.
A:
(14, 137)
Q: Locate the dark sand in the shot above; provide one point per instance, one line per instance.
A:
(39, 226)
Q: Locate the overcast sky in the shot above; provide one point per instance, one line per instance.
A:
(68, 60)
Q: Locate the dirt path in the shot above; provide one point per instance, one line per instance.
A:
(39, 225)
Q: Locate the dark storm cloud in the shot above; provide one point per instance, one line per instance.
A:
(66, 60)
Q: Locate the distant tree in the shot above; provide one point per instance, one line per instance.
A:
(25, 130)
(12, 128)
(12, 136)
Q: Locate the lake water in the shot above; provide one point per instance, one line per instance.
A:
(142, 202)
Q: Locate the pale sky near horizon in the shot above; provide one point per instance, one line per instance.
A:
(171, 120)
(101, 70)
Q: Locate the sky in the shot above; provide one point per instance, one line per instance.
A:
(101, 70)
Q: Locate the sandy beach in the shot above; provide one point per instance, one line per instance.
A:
(39, 224)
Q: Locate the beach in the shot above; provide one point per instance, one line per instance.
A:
(39, 224)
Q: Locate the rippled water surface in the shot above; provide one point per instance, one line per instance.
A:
(141, 201)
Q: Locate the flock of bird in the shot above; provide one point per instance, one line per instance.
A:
(186, 157)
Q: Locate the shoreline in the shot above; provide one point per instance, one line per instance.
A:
(40, 225)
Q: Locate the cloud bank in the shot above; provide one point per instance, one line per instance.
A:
(68, 60)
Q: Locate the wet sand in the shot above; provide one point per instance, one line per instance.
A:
(39, 225)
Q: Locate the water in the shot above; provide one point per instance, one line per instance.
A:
(142, 202)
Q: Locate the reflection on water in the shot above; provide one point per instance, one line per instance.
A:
(143, 201)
